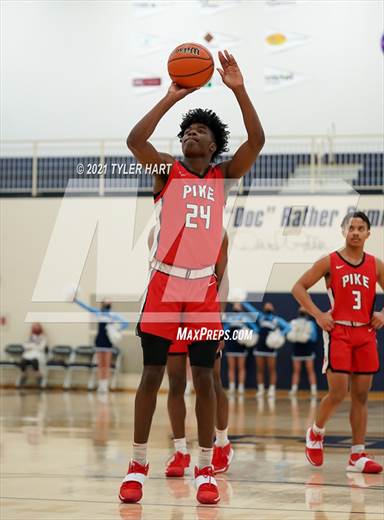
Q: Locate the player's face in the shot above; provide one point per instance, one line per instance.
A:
(198, 141)
(356, 232)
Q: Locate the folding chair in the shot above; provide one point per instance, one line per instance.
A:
(115, 366)
(58, 359)
(13, 355)
(81, 359)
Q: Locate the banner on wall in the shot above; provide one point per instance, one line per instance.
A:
(218, 40)
(147, 43)
(277, 79)
(274, 6)
(276, 41)
(146, 83)
(213, 7)
(147, 8)
(264, 232)
(144, 8)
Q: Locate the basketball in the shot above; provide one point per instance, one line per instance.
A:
(190, 65)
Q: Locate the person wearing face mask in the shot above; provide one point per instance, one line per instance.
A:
(303, 335)
(104, 339)
(267, 322)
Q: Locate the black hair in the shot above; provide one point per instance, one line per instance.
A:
(356, 214)
(213, 122)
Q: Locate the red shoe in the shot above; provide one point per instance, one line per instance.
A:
(178, 463)
(205, 482)
(222, 458)
(131, 489)
(361, 463)
(314, 448)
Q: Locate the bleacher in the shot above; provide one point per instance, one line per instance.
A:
(57, 174)
(370, 166)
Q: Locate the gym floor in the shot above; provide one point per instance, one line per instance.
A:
(65, 453)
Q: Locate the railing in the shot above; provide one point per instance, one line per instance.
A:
(102, 167)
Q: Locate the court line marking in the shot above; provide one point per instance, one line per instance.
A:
(187, 480)
(186, 506)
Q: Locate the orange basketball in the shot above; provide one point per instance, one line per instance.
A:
(190, 65)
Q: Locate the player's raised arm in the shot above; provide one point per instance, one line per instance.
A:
(377, 320)
(247, 153)
(137, 140)
(319, 269)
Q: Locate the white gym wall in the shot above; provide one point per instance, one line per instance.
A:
(67, 67)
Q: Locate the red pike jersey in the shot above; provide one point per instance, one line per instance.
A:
(189, 213)
(352, 289)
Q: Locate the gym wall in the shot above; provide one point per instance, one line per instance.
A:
(312, 77)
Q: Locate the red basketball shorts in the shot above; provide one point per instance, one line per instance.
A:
(179, 347)
(172, 303)
(351, 350)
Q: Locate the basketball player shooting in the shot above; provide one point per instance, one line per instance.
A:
(189, 205)
(349, 330)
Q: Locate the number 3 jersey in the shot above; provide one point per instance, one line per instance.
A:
(352, 288)
(189, 218)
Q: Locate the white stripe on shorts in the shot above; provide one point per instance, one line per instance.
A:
(326, 351)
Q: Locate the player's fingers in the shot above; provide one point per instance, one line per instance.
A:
(227, 55)
(233, 61)
(376, 323)
(222, 59)
(221, 72)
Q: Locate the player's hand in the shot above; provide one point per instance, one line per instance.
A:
(221, 345)
(176, 92)
(377, 320)
(230, 72)
(325, 321)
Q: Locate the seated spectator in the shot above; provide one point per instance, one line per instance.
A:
(34, 353)
(303, 336)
